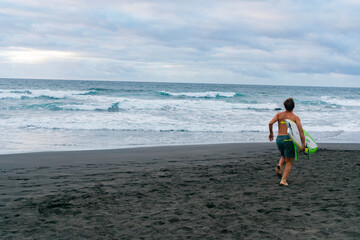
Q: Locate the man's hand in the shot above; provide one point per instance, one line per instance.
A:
(303, 148)
(271, 137)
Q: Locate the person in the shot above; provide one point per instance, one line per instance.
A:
(283, 141)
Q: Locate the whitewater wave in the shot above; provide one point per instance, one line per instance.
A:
(341, 101)
(150, 122)
(46, 93)
(201, 94)
(73, 101)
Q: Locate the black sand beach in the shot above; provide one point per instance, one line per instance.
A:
(226, 191)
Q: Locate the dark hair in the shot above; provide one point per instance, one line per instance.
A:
(289, 104)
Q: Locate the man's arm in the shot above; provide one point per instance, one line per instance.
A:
(302, 136)
(271, 123)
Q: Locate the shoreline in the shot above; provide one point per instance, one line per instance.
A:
(328, 145)
(218, 191)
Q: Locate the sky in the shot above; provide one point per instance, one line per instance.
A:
(312, 43)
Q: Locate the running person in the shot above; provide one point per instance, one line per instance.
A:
(283, 141)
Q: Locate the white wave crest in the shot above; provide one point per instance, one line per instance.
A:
(209, 94)
(341, 101)
(33, 93)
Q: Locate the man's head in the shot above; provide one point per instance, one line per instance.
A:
(289, 104)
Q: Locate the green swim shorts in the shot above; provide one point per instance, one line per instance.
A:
(285, 146)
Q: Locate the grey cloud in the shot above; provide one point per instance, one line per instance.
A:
(263, 38)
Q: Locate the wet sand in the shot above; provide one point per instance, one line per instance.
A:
(225, 191)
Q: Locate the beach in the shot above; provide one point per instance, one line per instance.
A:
(219, 191)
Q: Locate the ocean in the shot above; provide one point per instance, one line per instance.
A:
(62, 115)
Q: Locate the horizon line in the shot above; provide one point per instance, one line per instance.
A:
(107, 80)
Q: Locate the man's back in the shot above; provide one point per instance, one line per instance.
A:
(281, 116)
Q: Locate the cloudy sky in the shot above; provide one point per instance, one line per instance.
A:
(210, 41)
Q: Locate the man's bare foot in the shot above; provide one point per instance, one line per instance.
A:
(283, 183)
(278, 170)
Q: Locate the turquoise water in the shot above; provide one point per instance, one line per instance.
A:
(48, 115)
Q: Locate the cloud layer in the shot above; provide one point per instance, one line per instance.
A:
(251, 42)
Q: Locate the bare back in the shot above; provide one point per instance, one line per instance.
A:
(280, 118)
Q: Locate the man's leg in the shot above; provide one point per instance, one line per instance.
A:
(287, 170)
(280, 165)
